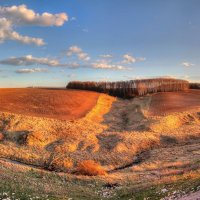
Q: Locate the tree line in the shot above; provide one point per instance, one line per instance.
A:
(128, 89)
(194, 85)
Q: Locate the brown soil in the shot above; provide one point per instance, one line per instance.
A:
(168, 102)
(59, 104)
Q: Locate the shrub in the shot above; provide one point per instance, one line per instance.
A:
(90, 168)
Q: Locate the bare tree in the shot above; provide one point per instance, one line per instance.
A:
(127, 89)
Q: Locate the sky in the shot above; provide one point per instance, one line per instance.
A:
(49, 43)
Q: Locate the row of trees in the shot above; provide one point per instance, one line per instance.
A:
(195, 85)
(127, 89)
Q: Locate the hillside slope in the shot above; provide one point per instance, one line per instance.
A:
(136, 148)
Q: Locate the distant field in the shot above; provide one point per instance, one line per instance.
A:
(168, 102)
(51, 103)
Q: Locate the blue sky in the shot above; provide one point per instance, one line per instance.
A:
(48, 43)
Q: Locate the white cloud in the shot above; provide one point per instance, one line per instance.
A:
(106, 56)
(74, 50)
(187, 64)
(30, 60)
(108, 66)
(77, 51)
(33, 70)
(128, 59)
(14, 16)
(21, 15)
(6, 33)
(83, 56)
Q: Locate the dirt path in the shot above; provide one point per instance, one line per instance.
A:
(126, 115)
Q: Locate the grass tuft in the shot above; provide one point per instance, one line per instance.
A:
(90, 168)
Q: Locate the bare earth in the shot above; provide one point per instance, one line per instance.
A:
(51, 103)
(169, 102)
(145, 153)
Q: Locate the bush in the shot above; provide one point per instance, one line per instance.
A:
(90, 168)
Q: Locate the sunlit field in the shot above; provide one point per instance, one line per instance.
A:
(119, 145)
(50, 103)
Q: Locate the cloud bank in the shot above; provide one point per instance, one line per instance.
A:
(15, 16)
(30, 60)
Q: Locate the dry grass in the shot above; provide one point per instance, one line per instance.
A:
(114, 133)
(102, 107)
(161, 165)
(167, 123)
(90, 168)
(64, 164)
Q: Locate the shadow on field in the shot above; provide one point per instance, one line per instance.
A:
(18, 137)
(167, 140)
(125, 115)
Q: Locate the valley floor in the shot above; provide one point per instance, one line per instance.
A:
(145, 155)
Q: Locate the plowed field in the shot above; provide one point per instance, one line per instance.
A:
(168, 102)
(51, 103)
